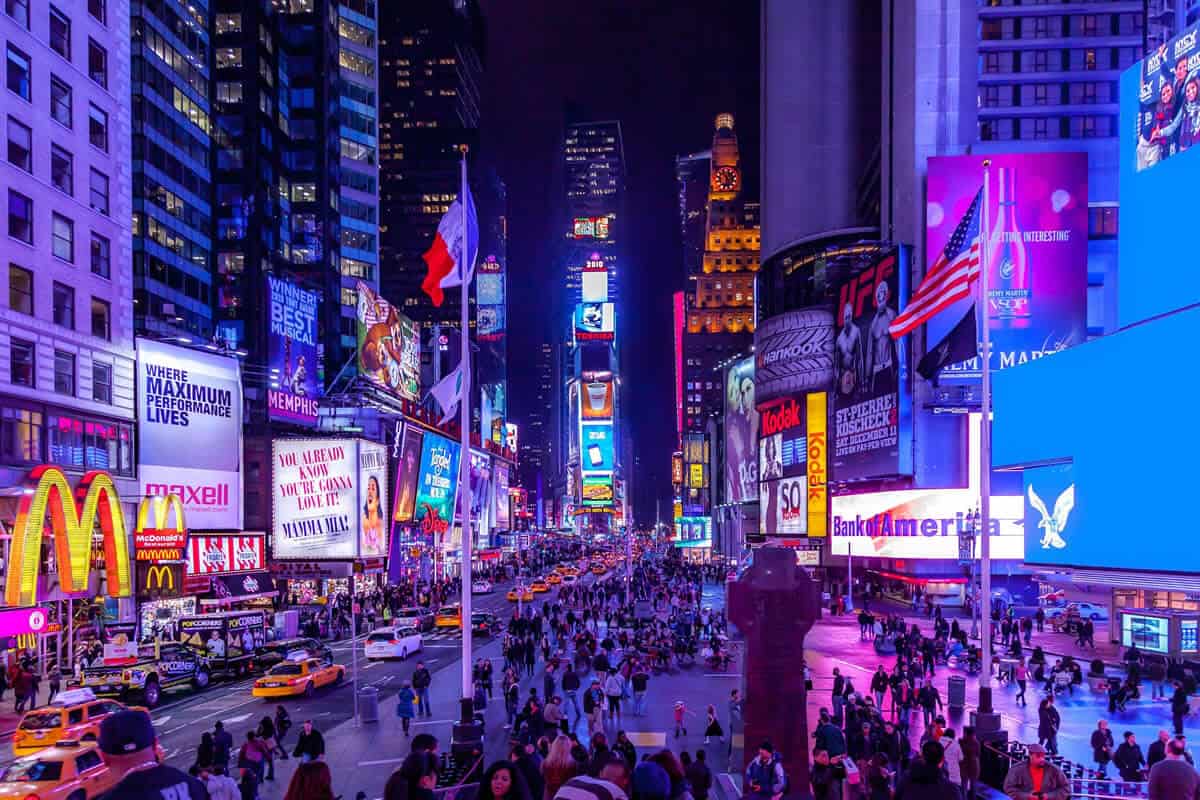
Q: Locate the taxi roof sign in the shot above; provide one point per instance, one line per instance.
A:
(73, 697)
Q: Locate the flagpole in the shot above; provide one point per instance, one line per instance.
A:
(985, 457)
(468, 710)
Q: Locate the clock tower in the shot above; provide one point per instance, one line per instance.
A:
(726, 178)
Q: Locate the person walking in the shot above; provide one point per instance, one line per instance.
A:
(713, 726)
(1102, 747)
(931, 702)
(925, 779)
(222, 745)
(283, 724)
(1021, 676)
(421, 680)
(570, 687)
(1128, 759)
(971, 761)
(879, 686)
(1048, 725)
(640, 680)
(614, 688)
(405, 709)
(1037, 778)
(838, 695)
(1179, 707)
(311, 744)
(1158, 749)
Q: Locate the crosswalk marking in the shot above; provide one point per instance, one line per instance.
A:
(237, 719)
(648, 738)
(162, 720)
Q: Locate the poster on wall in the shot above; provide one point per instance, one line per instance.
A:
(408, 466)
(186, 396)
(292, 352)
(741, 432)
(1037, 252)
(1168, 118)
(372, 487)
(437, 485)
(793, 353)
(872, 403)
(225, 554)
(503, 512)
(389, 346)
(783, 506)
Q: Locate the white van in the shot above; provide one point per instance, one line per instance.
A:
(393, 643)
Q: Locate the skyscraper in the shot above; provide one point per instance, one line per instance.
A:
(432, 59)
(172, 178)
(66, 332)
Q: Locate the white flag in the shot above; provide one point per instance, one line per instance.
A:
(449, 393)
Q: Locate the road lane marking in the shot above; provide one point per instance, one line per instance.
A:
(238, 718)
(373, 664)
(722, 674)
(433, 722)
(162, 720)
(381, 761)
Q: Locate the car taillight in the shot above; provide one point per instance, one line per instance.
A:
(294, 681)
(393, 641)
(32, 797)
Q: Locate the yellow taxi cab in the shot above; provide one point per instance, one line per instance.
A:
(448, 617)
(561, 569)
(69, 770)
(303, 677)
(569, 570)
(538, 587)
(75, 714)
(554, 579)
(520, 593)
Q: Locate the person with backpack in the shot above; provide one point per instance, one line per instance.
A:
(765, 775)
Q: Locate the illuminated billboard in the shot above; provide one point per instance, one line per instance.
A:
(1168, 117)
(389, 346)
(186, 397)
(437, 483)
(872, 400)
(594, 322)
(693, 532)
(292, 352)
(598, 396)
(597, 491)
(596, 446)
(503, 505)
(595, 286)
(1037, 252)
(793, 352)
(590, 228)
(741, 433)
(408, 467)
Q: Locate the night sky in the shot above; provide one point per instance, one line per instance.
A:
(664, 70)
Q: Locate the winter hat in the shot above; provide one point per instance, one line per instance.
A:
(651, 782)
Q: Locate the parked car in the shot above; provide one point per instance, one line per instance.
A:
(396, 642)
(481, 587)
(484, 624)
(1090, 611)
(424, 617)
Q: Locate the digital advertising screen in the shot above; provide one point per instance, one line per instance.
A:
(596, 446)
(1036, 252)
(190, 431)
(590, 227)
(594, 322)
(1151, 634)
(783, 506)
(595, 286)
(372, 500)
(318, 504)
(503, 506)
(741, 433)
(693, 532)
(573, 421)
(598, 396)
(793, 352)
(292, 352)
(481, 492)
(872, 400)
(408, 466)
(597, 491)
(389, 346)
(437, 483)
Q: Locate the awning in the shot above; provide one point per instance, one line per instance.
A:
(235, 588)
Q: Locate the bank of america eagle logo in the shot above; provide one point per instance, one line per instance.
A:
(1055, 523)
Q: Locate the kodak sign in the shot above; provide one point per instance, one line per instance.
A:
(154, 540)
(817, 466)
(72, 518)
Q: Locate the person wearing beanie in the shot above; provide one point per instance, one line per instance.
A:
(651, 782)
(129, 743)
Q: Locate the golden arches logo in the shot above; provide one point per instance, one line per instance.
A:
(73, 516)
(160, 578)
(160, 506)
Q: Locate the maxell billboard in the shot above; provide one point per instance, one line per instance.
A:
(190, 432)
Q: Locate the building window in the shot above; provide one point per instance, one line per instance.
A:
(60, 101)
(20, 145)
(18, 73)
(102, 383)
(64, 305)
(21, 362)
(991, 62)
(1041, 94)
(60, 33)
(98, 192)
(97, 63)
(1089, 58)
(1040, 128)
(1040, 61)
(62, 169)
(62, 231)
(64, 372)
(20, 289)
(99, 10)
(1089, 25)
(1102, 222)
(20, 217)
(101, 256)
(98, 127)
(229, 92)
(349, 297)
(228, 57)
(18, 10)
(101, 319)
(20, 435)
(229, 23)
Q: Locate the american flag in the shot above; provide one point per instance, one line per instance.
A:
(949, 279)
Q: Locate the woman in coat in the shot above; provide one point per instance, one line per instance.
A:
(1048, 724)
(405, 705)
(1102, 747)
(971, 754)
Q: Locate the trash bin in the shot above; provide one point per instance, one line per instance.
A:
(956, 691)
(368, 704)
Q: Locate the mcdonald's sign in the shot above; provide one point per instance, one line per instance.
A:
(157, 581)
(153, 540)
(73, 518)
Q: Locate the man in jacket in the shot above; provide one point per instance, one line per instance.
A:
(1158, 749)
(1179, 707)
(925, 779)
(1036, 779)
(838, 694)
(1129, 759)
(1048, 724)
(829, 736)
(570, 687)
(222, 745)
(879, 685)
(311, 746)
(700, 776)
(421, 680)
(641, 682)
(1102, 747)
(971, 754)
(953, 756)
(765, 775)
(931, 702)
(1173, 777)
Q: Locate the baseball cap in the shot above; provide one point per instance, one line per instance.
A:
(126, 732)
(1035, 748)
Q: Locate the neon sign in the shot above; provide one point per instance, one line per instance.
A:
(72, 519)
(159, 543)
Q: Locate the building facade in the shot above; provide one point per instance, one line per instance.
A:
(66, 330)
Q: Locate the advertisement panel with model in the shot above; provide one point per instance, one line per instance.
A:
(741, 432)
(292, 352)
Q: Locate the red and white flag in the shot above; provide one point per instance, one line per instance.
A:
(949, 279)
(451, 258)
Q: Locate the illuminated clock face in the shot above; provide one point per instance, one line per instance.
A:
(725, 179)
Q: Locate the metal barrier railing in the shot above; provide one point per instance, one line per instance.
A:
(1085, 781)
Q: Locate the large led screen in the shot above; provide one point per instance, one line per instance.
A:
(389, 346)
(741, 432)
(594, 321)
(596, 446)
(292, 352)
(1037, 252)
(437, 482)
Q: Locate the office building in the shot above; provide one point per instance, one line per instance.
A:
(66, 330)
(172, 179)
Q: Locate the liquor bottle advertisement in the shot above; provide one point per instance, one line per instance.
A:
(1037, 247)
